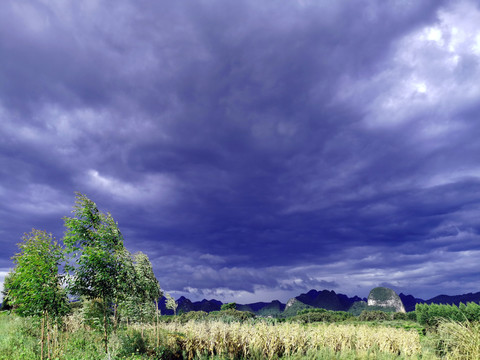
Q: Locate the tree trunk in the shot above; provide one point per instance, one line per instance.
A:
(42, 336)
(48, 338)
(115, 320)
(105, 326)
(156, 325)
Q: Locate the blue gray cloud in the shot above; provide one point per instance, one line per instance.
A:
(252, 150)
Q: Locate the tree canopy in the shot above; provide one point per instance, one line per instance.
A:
(93, 241)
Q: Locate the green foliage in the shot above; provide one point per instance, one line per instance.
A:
(270, 310)
(132, 343)
(357, 307)
(92, 313)
(137, 301)
(431, 314)
(381, 293)
(192, 315)
(34, 286)
(230, 315)
(400, 316)
(321, 315)
(295, 308)
(412, 315)
(229, 306)
(374, 315)
(313, 310)
(171, 303)
(93, 242)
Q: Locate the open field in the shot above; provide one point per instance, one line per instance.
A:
(252, 339)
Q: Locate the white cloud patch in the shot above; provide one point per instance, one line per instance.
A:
(431, 73)
(156, 187)
(3, 273)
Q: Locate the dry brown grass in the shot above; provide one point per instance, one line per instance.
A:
(288, 339)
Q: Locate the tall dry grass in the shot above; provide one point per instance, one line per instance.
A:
(459, 340)
(236, 340)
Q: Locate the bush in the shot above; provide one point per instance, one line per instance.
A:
(229, 306)
(316, 310)
(431, 314)
(230, 315)
(400, 316)
(412, 316)
(320, 315)
(132, 344)
(192, 315)
(375, 315)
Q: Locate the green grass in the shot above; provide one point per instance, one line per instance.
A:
(15, 341)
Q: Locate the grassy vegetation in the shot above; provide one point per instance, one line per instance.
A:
(233, 334)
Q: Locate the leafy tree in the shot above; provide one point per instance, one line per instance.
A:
(140, 291)
(126, 285)
(229, 306)
(148, 288)
(34, 286)
(93, 242)
(171, 303)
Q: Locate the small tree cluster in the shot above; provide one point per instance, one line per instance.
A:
(100, 271)
(321, 315)
(431, 314)
(229, 306)
(34, 287)
(374, 315)
(171, 303)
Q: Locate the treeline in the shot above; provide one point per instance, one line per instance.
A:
(432, 314)
(111, 283)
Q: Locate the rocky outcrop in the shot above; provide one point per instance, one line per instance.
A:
(386, 298)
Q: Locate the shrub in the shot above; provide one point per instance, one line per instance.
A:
(412, 316)
(192, 315)
(229, 306)
(400, 316)
(230, 315)
(432, 314)
(375, 315)
(132, 344)
(321, 315)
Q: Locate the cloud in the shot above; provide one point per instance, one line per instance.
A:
(249, 148)
(3, 273)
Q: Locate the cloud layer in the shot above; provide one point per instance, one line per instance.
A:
(252, 150)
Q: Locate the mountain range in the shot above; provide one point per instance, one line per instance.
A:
(325, 299)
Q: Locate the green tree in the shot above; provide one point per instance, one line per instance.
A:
(171, 303)
(148, 287)
(34, 286)
(93, 241)
(229, 306)
(126, 286)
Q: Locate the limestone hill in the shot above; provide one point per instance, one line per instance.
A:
(385, 298)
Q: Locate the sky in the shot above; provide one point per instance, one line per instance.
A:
(254, 150)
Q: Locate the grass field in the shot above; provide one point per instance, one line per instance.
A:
(253, 339)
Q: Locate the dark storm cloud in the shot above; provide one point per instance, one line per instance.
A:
(258, 148)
